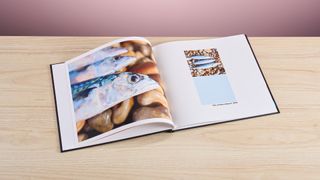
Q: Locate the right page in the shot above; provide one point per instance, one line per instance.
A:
(213, 80)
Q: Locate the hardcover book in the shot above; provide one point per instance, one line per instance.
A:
(128, 88)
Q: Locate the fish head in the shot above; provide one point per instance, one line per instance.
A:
(95, 96)
(134, 83)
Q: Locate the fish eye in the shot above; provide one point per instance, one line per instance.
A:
(134, 78)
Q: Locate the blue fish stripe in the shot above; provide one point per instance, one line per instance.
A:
(92, 83)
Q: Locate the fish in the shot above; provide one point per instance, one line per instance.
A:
(102, 67)
(205, 66)
(203, 61)
(94, 96)
(97, 56)
(200, 57)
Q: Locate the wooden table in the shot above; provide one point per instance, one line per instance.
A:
(282, 146)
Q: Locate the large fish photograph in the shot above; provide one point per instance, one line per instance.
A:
(115, 86)
(209, 76)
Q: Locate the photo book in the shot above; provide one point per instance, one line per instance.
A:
(128, 88)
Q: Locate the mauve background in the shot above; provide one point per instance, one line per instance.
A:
(160, 17)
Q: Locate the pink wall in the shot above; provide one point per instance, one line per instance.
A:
(160, 17)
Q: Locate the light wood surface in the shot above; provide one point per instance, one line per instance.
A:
(282, 146)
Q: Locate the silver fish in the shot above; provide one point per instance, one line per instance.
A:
(200, 57)
(95, 96)
(203, 61)
(208, 65)
(97, 56)
(102, 67)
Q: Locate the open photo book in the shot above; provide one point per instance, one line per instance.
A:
(128, 88)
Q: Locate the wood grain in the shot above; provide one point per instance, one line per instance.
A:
(282, 146)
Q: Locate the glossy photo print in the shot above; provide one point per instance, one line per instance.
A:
(115, 86)
(209, 76)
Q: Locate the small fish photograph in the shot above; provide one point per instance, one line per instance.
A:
(210, 77)
(115, 86)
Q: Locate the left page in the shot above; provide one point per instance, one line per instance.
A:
(108, 92)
